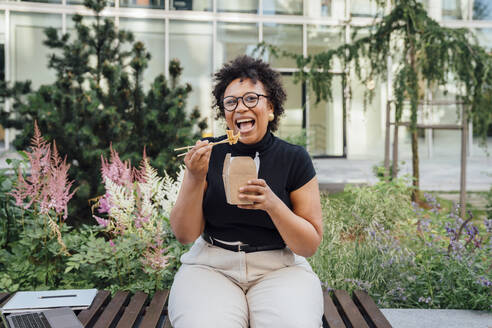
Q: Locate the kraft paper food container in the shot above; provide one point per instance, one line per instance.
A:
(236, 173)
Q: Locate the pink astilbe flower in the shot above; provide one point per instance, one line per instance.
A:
(56, 193)
(27, 191)
(102, 222)
(48, 185)
(104, 204)
(115, 170)
(140, 174)
(113, 245)
(154, 258)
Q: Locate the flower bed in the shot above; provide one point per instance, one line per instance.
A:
(405, 256)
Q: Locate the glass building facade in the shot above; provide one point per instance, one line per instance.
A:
(204, 34)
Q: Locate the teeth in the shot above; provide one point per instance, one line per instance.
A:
(243, 120)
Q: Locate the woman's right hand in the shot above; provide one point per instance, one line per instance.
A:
(197, 159)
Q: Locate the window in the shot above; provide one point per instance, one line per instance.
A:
(286, 37)
(243, 6)
(191, 43)
(198, 5)
(143, 3)
(151, 32)
(282, 7)
(234, 39)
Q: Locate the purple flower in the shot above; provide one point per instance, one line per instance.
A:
(102, 222)
(484, 281)
(488, 225)
(425, 300)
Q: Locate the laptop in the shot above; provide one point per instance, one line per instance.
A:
(49, 308)
(54, 318)
(76, 299)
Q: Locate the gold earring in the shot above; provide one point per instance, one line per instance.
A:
(271, 116)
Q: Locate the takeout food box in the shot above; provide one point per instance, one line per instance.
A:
(237, 172)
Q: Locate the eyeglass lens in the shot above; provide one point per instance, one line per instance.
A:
(250, 100)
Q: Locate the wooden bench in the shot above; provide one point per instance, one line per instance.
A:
(123, 310)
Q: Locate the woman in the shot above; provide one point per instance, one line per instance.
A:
(247, 266)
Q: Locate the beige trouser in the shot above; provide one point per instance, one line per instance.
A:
(223, 289)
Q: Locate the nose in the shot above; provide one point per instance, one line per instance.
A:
(241, 107)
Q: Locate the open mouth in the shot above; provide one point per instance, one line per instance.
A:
(245, 124)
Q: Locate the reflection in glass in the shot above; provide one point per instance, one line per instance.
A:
(29, 56)
(142, 3)
(363, 8)
(243, 6)
(198, 5)
(461, 9)
(282, 7)
(109, 3)
(151, 32)
(291, 122)
(321, 38)
(326, 123)
(45, 1)
(482, 10)
(234, 39)
(286, 37)
(365, 128)
(319, 8)
(484, 36)
(191, 43)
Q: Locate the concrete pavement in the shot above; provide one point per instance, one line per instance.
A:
(416, 318)
(435, 174)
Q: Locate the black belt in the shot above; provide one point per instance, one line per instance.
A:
(239, 248)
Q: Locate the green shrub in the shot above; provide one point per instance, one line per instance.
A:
(95, 102)
(410, 257)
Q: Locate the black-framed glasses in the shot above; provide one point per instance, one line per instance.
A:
(250, 100)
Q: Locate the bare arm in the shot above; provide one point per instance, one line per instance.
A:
(186, 216)
(301, 228)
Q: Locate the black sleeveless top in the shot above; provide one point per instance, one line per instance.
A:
(284, 167)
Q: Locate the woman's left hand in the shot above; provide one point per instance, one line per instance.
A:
(258, 192)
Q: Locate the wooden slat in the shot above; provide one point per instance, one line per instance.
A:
(331, 315)
(154, 311)
(3, 298)
(370, 309)
(133, 310)
(167, 323)
(109, 316)
(89, 316)
(350, 310)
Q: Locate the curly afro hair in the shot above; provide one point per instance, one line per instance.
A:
(246, 67)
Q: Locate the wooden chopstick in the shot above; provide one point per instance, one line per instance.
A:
(185, 147)
(189, 147)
